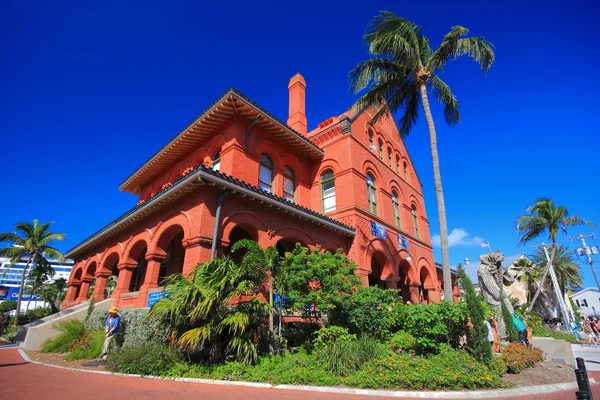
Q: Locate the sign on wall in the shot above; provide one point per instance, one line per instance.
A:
(378, 230)
(13, 294)
(3, 292)
(155, 296)
(403, 242)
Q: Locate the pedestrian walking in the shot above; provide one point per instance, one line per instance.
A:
(521, 330)
(111, 328)
(574, 328)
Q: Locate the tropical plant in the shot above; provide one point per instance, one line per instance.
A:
(33, 243)
(8, 305)
(54, 293)
(36, 278)
(480, 349)
(568, 273)
(316, 283)
(541, 217)
(215, 307)
(111, 285)
(402, 68)
(530, 273)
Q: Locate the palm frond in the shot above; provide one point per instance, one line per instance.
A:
(449, 101)
(455, 45)
(390, 35)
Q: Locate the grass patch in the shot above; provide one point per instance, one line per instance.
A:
(71, 331)
(542, 331)
(87, 347)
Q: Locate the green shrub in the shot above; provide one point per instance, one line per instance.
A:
(326, 336)
(519, 357)
(511, 332)
(8, 305)
(71, 330)
(372, 311)
(151, 358)
(300, 334)
(344, 357)
(535, 319)
(135, 330)
(434, 324)
(449, 370)
(480, 346)
(402, 342)
(87, 347)
(498, 366)
(34, 315)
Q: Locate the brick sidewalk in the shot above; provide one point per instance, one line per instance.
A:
(22, 380)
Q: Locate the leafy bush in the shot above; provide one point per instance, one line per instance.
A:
(135, 330)
(326, 336)
(513, 336)
(519, 357)
(87, 347)
(434, 324)
(498, 365)
(152, 358)
(450, 369)
(535, 319)
(300, 334)
(71, 330)
(8, 305)
(371, 311)
(344, 357)
(34, 315)
(480, 346)
(402, 342)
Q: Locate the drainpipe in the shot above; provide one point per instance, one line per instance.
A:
(220, 202)
(248, 129)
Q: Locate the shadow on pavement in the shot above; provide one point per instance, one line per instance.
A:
(13, 365)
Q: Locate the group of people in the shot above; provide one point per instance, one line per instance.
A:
(591, 328)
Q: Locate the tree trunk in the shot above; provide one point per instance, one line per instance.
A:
(439, 194)
(20, 298)
(29, 301)
(271, 303)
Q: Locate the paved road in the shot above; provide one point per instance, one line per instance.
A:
(22, 380)
(591, 355)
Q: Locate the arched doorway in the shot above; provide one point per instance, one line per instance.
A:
(139, 273)
(173, 262)
(238, 233)
(286, 245)
(403, 271)
(378, 262)
(423, 277)
(77, 278)
(91, 274)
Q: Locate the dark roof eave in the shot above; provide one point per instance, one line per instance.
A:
(221, 99)
(200, 172)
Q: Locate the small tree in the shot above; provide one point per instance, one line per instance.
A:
(511, 332)
(316, 283)
(481, 349)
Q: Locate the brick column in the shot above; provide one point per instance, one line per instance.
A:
(414, 288)
(197, 251)
(152, 271)
(455, 293)
(100, 287)
(85, 286)
(433, 294)
(71, 292)
(123, 279)
(391, 282)
(364, 276)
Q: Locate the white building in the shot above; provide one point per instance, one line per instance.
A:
(10, 280)
(588, 301)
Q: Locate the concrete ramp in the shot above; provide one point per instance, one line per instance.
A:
(35, 334)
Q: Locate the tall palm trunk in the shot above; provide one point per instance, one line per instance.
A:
(20, 298)
(439, 195)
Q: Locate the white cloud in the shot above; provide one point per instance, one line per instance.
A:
(458, 237)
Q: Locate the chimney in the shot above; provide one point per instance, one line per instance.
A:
(297, 91)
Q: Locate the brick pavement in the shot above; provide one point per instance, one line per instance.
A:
(22, 380)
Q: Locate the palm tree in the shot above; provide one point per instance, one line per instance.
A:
(544, 216)
(37, 277)
(567, 271)
(32, 242)
(530, 272)
(215, 306)
(53, 293)
(399, 74)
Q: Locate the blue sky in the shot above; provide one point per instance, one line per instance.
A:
(89, 93)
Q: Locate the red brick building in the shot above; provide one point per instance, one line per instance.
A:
(238, 172)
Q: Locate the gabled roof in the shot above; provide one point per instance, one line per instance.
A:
(191, 180)
(586, 290)
(232, 102)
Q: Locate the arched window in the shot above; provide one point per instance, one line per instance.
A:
(371, 143)
(415, 219)
(390, 157)
(405, 171)
(265, 177)
(216, 160)
(328, 191)
(372, 194)
(381, 149)
(289, 185)
(398, 165)
(396, 207)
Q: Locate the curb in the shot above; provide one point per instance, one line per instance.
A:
(481, 394)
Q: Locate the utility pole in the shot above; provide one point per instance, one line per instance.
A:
(587, 251)
(559, 294)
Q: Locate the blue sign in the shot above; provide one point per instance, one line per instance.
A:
(155, 296)
(13, 294)
(3, 292)
(403, 242)
(378, 230)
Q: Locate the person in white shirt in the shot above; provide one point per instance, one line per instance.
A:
(490, 333)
